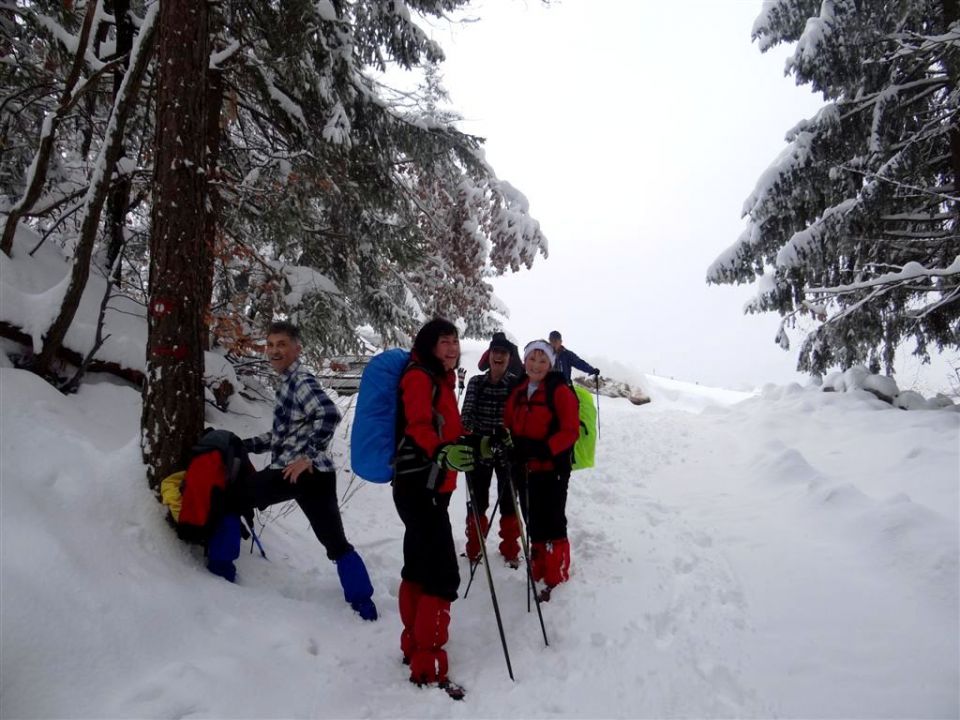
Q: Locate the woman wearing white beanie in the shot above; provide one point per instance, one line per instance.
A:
(542, 415)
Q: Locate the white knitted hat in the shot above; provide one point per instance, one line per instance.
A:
(539, 345)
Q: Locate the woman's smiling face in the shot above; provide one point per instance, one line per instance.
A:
(537, 365)
(447, 351)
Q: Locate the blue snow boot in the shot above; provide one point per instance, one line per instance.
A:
(357, 589)
(224, 547)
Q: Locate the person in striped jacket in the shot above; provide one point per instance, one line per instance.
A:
(482, 414)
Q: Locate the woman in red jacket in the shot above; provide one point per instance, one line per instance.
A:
(542, 415)
(425, 474)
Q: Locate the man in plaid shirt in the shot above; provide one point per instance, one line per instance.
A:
(482, 414)
(304, 420)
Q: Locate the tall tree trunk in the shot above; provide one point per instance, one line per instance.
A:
(97, 194)
(173, 397)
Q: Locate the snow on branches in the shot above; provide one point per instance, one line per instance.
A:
(856, 225)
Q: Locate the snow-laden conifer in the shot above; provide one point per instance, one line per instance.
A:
(855, 225)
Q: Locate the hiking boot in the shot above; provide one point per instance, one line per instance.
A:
(365, 609)
(556, 567)
(357, 588)
(428, 663)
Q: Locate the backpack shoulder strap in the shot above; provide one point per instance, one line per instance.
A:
(554, 380)
(435, 394)
(424, 369)
(402, 440)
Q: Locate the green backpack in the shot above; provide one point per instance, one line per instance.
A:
(586, 445)
(584, 450)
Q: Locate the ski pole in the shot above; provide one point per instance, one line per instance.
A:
(526, 542)
(597, 378)
(493, 593)
(525, 545)
(250, 522)
(474, 564)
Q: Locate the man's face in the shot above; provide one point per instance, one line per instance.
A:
(555, 343)
(282, 351)
(447, 351)
(499, 359)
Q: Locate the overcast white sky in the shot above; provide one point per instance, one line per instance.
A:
(636, 129)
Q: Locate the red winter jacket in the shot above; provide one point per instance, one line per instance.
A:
(420, 425)
(531, 418)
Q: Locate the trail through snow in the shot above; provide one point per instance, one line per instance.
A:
(792, 555)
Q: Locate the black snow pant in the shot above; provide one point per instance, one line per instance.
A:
(543, 501)
(479, 480)
(429, 555)
(315, 493)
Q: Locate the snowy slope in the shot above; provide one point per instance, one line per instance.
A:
(793, 554)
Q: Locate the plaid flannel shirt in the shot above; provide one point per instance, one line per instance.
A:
(304, 420)
(483, 404)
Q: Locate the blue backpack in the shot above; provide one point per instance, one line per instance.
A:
(373, 437)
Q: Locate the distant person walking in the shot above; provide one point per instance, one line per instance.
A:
(567, 360)
(482, 414)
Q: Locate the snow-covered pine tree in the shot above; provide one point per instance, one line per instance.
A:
(321, 175)
(69, 139)
(856, 225)
(341, 191)
(44, 79)
(475, 225)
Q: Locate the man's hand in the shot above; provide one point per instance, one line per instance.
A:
(293, 471)
(503, 438)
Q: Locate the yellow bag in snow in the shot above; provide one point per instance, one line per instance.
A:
(170, 493)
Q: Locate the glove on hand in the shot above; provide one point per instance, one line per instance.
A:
(503, 438)
(481, 445)
(485, 447)
(455, 456)
(596, 371)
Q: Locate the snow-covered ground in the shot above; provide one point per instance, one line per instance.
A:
(786, 553)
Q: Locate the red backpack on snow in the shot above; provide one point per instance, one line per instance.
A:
(198, 497)
(202, 495)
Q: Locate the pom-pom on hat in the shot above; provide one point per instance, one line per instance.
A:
(539, 345)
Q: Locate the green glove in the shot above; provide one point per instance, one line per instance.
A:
(486, 447)
(455, 456)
